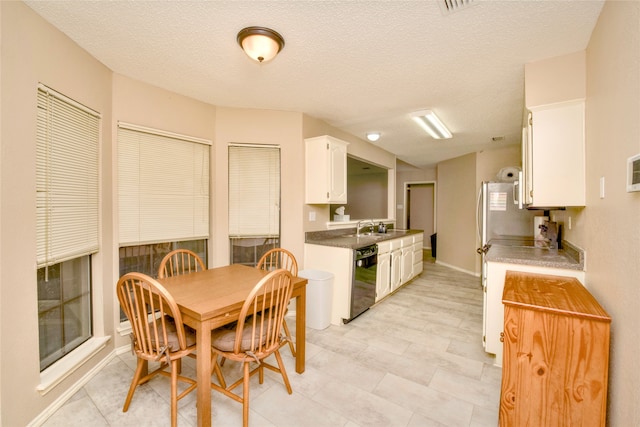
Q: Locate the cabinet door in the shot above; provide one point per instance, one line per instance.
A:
(337, 172)
(396, 269)
(558, 170)
(562, 360)
(527, 164)
(417, 259)
(383, 276)
(407, 264)
(325, 170)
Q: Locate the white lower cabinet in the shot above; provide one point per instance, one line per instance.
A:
(396, 268)
(399, 260)
(406, 244)
(339, 262)
(383, 276)
(417, 259)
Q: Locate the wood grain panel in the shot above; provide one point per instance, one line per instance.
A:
(556, 353)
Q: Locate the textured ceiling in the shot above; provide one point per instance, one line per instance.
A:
(359, 65)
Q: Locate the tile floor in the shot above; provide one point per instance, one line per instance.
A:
(415, 359)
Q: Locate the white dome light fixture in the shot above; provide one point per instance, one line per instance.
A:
(373, 136)
(259, 43)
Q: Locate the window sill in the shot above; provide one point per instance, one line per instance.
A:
(56, 373)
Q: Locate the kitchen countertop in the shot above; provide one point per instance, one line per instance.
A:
(570, 257)
(344, 238)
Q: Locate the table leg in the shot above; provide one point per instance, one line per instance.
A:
(203, 373)
(301, 326)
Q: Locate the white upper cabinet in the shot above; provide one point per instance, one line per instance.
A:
(326, 170)
(554, 156)
(553, 141)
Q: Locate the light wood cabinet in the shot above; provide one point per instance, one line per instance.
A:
(553, 156)
(556, 353)
(493, 312)
(325, 170)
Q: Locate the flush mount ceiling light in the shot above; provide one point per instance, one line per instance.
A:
(428, 121)
(373, 136)
(259, 43)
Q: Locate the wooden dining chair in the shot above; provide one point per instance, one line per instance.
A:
(178, 262)
(256, 335)
(272, 260)
(157, 333)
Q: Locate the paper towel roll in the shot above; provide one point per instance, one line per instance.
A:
(508, 174)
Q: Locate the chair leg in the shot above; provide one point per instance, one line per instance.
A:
(245, 395)
(285, 378)
(174, 393)
(217, 370)
(134, 384)
(288, 335)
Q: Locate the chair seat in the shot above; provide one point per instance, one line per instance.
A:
(224, 339)
(172, 335)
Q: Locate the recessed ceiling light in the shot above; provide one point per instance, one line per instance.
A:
(373, 136)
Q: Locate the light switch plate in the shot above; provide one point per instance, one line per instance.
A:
(602, 187)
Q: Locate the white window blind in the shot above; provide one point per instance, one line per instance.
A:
(67, 143)
(163, 186)
(254, 191)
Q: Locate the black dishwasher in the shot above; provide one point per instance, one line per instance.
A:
(363, 284)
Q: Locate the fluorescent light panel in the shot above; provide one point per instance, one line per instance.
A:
(428, 121)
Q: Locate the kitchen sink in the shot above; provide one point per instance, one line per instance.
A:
(364, 235)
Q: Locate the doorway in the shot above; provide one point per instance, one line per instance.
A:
(420, 212)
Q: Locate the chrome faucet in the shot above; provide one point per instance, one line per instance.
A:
(369, 221)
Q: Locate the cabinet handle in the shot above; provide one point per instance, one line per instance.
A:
(501, 336)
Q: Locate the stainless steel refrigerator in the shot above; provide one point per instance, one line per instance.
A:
(499, 218)
(501, 221)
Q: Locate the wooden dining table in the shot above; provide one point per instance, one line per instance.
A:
(212, 298)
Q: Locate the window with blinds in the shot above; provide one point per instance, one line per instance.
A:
(163, 186)
(67, 144)
(67, 221)
(254, 191)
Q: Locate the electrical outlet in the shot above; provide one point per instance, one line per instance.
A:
(602, 187)
(569, 223)
(312, 216)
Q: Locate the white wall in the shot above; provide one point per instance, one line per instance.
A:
(145, 105)
(33, 52)
(609, 228)
(266, 127)
(455, 205)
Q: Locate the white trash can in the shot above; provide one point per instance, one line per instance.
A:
(319, 297)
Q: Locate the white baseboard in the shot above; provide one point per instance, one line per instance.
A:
(473, 273)
(60, 401)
